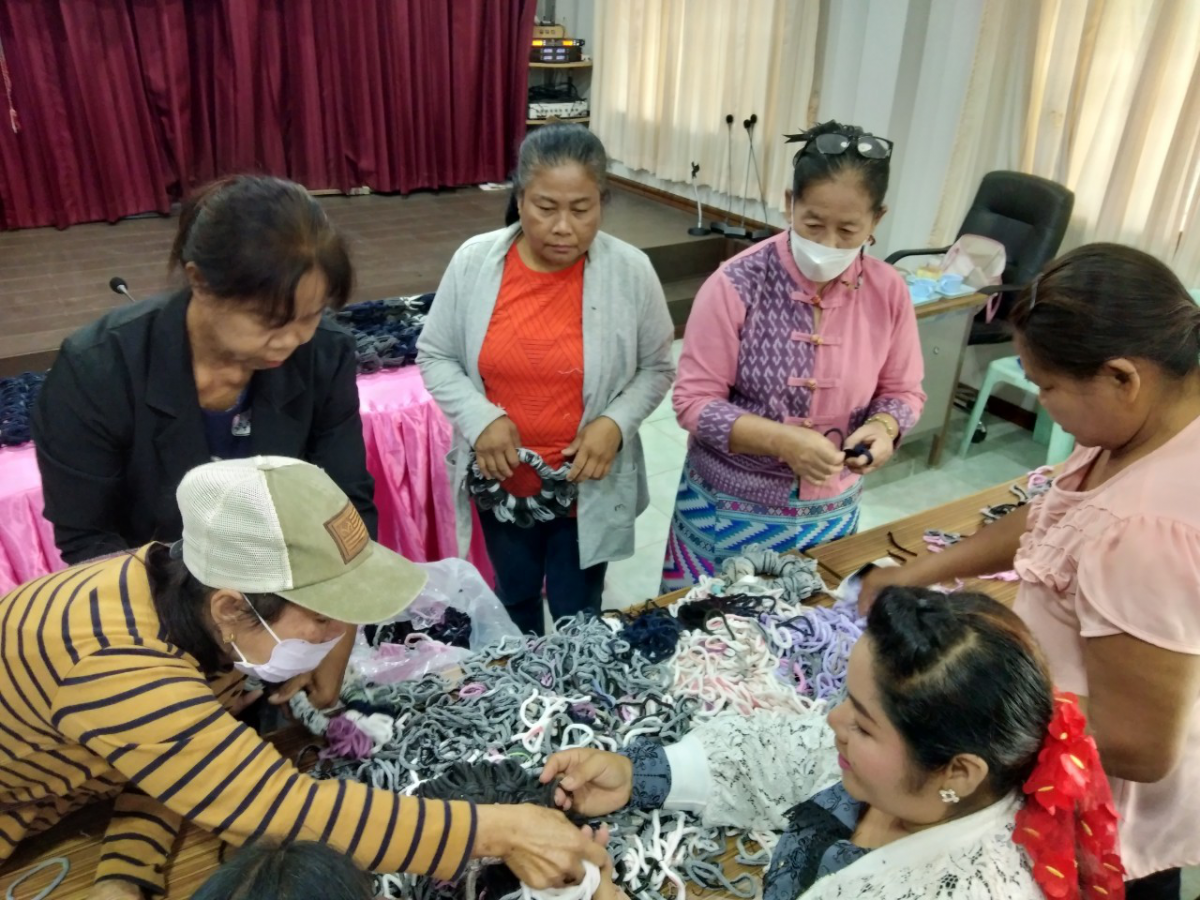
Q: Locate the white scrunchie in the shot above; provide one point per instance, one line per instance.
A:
(582, 891)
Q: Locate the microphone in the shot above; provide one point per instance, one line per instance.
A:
(118, 286)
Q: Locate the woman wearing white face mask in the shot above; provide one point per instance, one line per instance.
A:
(801, 369)
(121, 678)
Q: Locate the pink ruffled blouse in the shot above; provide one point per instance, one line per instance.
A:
(1124, 558)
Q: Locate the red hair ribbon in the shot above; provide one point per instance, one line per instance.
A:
(1068, 824)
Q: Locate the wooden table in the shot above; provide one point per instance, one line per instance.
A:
(841, 559)
(944, 326)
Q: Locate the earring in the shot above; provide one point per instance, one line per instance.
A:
(949, 795)
(229, 638)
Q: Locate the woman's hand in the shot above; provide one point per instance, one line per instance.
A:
(541, 847)
(608, 889)
(593, 782)
(879, 578)
(115, 889)
(809, 455)
(877, 440)
(322, 692)
(244, 701)
(593, 450)
(496, 449)
(324, 684)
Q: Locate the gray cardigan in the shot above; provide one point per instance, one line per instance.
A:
(627, 370)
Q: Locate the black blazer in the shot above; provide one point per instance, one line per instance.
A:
(118, 424)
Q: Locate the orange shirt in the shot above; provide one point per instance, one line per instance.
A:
(532, 361)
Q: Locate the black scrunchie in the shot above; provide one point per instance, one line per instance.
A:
(554, 501)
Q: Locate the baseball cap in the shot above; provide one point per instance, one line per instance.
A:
(273, 525)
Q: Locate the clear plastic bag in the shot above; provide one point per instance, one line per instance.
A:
(453, 583)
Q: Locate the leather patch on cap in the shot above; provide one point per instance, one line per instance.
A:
(349, 532)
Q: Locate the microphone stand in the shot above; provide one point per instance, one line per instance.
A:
(699, 229)
(727, 228)
(765, 231)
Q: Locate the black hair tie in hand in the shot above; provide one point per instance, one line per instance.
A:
(862, 450)
(859, 449)
(554, 501)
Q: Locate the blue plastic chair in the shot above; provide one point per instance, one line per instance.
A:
(1008, 370)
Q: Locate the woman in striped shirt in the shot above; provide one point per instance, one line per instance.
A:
(119, 678)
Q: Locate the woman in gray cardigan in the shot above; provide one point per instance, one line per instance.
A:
(547, 346)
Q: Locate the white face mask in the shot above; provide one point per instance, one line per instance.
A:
(288, 659)
(819, 263)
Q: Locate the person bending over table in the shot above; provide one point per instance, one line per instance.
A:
(239, 362)
(911, 787)
(553, 337)
(121, 678)
(1109, 559)
(797, 350)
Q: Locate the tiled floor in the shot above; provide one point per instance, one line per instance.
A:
(1191, 884)
(905, 486)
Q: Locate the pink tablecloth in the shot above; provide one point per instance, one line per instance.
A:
(407, 440)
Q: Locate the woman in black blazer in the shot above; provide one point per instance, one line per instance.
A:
(239, 363)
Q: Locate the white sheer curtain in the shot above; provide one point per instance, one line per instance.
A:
(1102, 96)
(668, 71)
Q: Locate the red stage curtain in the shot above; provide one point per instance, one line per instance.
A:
(88, 148)
(125, 104)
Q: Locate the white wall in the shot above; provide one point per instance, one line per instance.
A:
(896, 67)
(900, 68)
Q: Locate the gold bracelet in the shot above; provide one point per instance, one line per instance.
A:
(886, 425)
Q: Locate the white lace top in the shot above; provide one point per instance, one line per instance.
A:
(750, 771)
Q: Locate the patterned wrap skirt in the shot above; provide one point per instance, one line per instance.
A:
(709, 527)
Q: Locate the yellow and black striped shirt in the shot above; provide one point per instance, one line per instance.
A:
(95, 701)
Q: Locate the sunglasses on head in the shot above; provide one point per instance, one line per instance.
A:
(868, 146)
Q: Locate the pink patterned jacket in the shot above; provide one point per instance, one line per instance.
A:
(750, 347)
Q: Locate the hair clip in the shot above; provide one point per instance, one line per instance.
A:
(895, 543)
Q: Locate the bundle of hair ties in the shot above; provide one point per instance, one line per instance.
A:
(555, 499)
(386, 331)
(1038, 483)
(17, 396)
(739, 642)
(453, 628)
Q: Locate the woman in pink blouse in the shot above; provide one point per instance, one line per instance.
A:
(1109, 559)
(798, 351)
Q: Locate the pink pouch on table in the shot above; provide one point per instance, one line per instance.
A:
(980, 261)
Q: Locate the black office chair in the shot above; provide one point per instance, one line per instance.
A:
(1029, 216)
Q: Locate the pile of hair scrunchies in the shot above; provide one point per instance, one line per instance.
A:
(17, 396)
(741, 641)
(386, 331)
